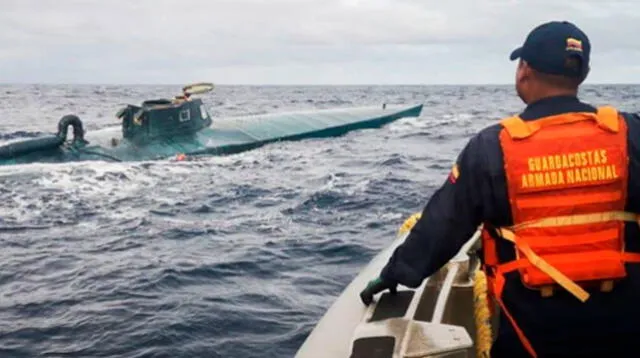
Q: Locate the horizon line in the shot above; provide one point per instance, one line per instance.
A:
(295, 85)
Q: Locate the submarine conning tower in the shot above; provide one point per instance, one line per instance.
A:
(161, 118)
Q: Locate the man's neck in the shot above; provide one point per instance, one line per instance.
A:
(552, 93)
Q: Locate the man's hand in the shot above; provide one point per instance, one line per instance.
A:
(376, 286)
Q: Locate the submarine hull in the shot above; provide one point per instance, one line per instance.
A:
(147, 138)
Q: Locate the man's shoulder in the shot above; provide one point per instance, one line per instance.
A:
(490, 131)
(488, 135)
(632, 121)
(630, 116)
(483, 144)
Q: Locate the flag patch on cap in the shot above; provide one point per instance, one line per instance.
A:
(574, 45)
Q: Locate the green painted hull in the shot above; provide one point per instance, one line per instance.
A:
(224, 136)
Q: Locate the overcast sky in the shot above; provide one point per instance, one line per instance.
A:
(299, 41)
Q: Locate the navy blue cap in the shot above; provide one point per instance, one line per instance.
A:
(547, 47)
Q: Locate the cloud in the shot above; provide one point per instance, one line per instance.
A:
(297, 41)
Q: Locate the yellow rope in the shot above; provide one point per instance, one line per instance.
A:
(408, 224)
(482, 315)
(481, 312)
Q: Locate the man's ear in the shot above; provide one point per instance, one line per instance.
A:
(524, 70)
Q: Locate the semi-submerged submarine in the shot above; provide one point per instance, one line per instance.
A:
(163, 128)
(448, 315)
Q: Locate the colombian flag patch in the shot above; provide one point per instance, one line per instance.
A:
(574, 45)
(455, 173)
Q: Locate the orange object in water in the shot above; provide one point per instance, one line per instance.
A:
(567, 184)
(181, 157)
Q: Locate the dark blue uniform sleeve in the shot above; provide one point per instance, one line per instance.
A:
(633, 138)
(448, 221)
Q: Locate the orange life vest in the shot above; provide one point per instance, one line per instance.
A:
(567, 185)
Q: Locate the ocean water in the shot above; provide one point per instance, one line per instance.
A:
(234, 256)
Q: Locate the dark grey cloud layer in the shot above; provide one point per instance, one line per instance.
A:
(298, 41)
